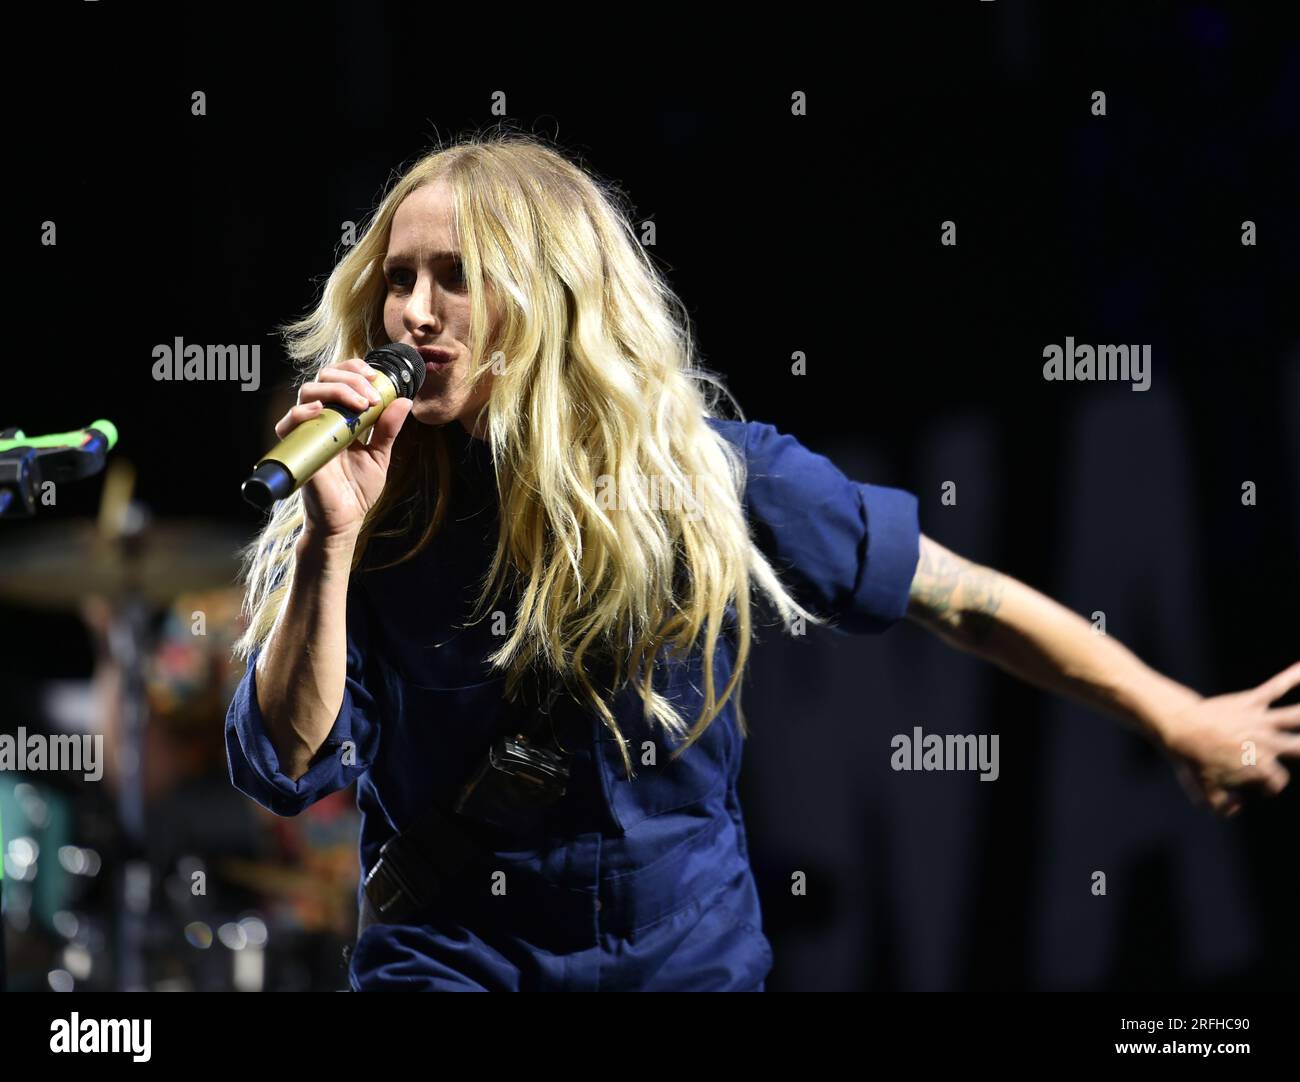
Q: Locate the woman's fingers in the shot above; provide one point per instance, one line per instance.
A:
(1286, 717)
(356, 364)
(331, 391)
(1218, 800)
(295, 417)
(334, 391)
(1274, 688)
(1188, 779)
(1269, 775)
(346, 388)
(353, 373)
(345, 384)
(1276, 779)
(389, 424)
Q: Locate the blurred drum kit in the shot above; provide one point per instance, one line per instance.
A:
(160, 876)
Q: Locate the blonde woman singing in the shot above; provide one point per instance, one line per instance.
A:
(518, 617)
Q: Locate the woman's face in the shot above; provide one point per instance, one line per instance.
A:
(427, 306)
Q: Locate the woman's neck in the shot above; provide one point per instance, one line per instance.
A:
(476, 428)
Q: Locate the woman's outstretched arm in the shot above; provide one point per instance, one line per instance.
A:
(1219, 744)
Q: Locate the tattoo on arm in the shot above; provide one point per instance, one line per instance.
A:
(954, 593)
(935, 582)
(982, 588)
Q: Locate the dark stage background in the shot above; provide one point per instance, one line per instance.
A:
(820, 234)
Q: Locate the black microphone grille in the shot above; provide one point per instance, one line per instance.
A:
(403, 364)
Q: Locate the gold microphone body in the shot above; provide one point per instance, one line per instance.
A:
(287, 466)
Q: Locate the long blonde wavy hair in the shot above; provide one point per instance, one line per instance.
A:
(596, 387)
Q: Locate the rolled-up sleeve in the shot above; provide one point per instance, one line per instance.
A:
(347, 752)
(847, 550)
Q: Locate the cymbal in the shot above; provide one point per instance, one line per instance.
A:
(274, 879)
(57, 565)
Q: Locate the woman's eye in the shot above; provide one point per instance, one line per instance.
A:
(401, 279)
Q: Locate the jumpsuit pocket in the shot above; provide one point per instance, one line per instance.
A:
(754, 932)
(420, 958)
(739, 900)
(661, 783)
(665, 784)
(711, 947)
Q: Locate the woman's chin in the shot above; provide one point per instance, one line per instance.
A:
(432, 412)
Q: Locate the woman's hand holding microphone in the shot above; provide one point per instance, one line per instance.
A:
(337, 496)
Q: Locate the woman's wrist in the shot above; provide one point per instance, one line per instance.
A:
(315, 543)
(1160, 708)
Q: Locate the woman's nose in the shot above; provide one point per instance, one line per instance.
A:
(420, 309)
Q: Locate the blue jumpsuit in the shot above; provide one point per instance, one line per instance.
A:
(642, 884)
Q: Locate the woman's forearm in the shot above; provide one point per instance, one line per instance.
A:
(1027, 634)
(302, 670)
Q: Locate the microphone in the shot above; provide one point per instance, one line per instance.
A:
(27, 462)
(287, 466)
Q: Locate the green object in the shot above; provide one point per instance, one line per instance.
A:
(63, 439)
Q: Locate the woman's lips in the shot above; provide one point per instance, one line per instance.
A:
(436, 360)
(436, 367)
